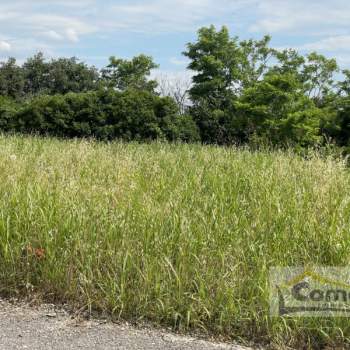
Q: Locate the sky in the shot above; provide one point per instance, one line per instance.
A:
(94, 30)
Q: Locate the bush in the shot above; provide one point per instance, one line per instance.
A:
(215, 125)
(338, 127)
(107, 115)
(8, 109)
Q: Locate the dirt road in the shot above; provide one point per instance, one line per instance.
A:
(24, 327)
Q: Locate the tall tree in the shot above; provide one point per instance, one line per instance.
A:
(255, 60)
(318, 76)
(215, 59)
(289, 61)
(11, 79)
(344, 85)
(70, 75)
(36, 75)
(123, 74)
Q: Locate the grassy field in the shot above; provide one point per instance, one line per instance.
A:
(177, 235)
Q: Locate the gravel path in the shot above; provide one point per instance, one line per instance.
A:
(24, 327)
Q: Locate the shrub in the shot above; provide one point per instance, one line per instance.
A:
(107, 115)
(8, 109)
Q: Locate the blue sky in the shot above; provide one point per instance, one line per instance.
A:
(93, 30)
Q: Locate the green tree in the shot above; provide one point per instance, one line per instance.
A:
(224, 68)
(318, 77)
(337, 126)
(344, 86)
(70, 75)
(59, 76)
(123, 74)
(255, 60)
(215, 59)
(11, 79)
(36, 75)
(289, 61)
(276, 109)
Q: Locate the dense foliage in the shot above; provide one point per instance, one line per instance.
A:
(242, 91)
(245, 91)
(106, 115)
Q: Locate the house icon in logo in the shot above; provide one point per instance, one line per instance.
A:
(310, 293)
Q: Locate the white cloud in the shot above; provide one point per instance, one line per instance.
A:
(5, 46)
(336, 43)
(72, 26)
(52, 34)
(37, 25)
(300, 16)
(161, 16)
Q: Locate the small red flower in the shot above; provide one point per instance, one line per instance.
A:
(39, 253)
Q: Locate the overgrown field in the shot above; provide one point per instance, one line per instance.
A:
(179, 235)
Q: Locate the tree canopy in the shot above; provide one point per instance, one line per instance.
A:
(242, 91)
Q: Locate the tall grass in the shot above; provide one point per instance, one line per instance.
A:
(179, 235)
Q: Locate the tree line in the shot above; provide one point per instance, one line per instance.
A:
(241, 92)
